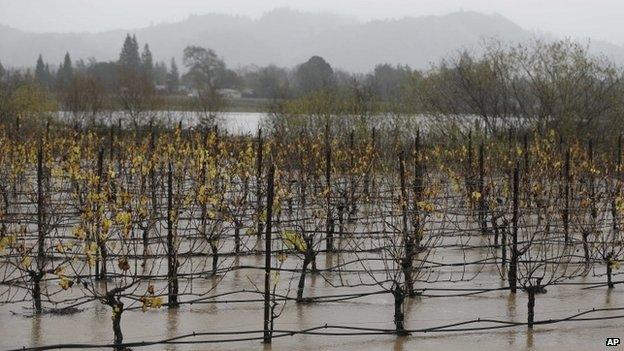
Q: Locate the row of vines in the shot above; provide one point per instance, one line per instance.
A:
(159, 218)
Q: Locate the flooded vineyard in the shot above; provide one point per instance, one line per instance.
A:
(186, 239)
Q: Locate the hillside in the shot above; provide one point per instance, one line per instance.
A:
(285, 37)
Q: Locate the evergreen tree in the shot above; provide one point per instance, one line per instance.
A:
(314, 75)
(80, 66)
(107, 73)
(49, 78)
(147, 62)
(40, 72)
(2, 71)
(160, 73)
(65, 72)
(173, 78)
(129, 59)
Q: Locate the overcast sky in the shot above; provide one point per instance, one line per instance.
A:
(597, 19)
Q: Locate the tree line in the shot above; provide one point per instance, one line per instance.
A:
(545, 84)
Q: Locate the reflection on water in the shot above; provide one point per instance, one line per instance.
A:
(399, 343)
(511, 313)
(93, 323)
(529, 339)
(35, 333)
(511, 305)
(172, 325)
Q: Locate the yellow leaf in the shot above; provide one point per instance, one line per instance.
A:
(294, 240)
(26, 262)
(65, 282)
(79, 233)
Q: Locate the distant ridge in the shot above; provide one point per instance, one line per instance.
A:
(286, 37)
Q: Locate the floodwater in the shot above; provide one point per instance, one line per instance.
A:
(248, 122)
(226, 313)
(233, 122)
(93, 323)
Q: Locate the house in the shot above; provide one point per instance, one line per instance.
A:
(230, 93)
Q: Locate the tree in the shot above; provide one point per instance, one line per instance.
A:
(106, 73)
(147, 62)
(32, 104)
(83, 98)
(129, 59)
(227, 78)
(313, 75)
(388, 82)
(270, 82)
(160, 73)
(80, 66)
(2, 72)
(204, 67)
(65, 73)
(137, 98)
(173, 77)
(136, 88)
(42, 73)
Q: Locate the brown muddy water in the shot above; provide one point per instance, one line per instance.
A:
(93, 323)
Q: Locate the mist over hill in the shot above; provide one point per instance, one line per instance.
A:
(286, 37)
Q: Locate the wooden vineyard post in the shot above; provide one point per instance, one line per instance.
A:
(100, 272)
(513, 265)
(482, 209)
(566, 209)
(172, 259)
(259, 184)
(418, 188)
(408, 239)
(267, 259)
(329, 221)
(352, 206)
(41, 231)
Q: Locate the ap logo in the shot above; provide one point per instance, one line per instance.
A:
(613, 341)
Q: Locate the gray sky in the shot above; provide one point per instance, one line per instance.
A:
(597, 19)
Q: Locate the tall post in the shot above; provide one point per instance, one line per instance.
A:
(41, 231)
(618, 173)
(418, 188)
(469, 161)
(100, 272)
(329, 222)
(470, 177)
(614, 211)
(526, 155)
(513, 266)
(111, 162)
(153, 186)
(525, 143)
(352, 209)
(619, 155)
(482, 209)
(512, 156)
(172, 257)
(259, 183)
(593, 211)
(408, 240)
(566, 195)
(267, 259)
(368, 182)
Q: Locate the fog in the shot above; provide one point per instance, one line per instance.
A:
(599, 20)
